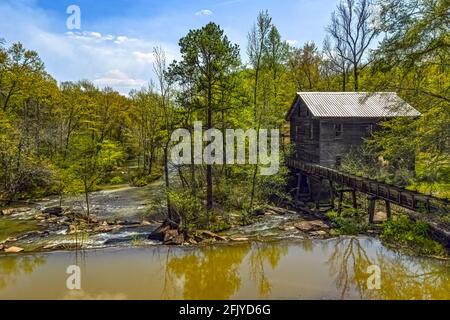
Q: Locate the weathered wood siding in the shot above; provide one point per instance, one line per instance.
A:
(307, 142)
(321, 145)
(354, 130)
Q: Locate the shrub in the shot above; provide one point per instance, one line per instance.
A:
(117, 180)
(412, 235)
(350, 222)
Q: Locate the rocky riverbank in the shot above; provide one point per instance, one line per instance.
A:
(62, 228)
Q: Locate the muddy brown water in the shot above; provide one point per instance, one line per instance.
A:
(294, 269)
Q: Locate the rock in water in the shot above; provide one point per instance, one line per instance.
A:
(54, 211)
(173, 237)
(13, 250)
(308, 226)
(7, 212)
(239, 239)
(259, 212)
(211, 235)
(160, 233)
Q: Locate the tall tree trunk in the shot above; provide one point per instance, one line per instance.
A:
(193, 178)
(209, 169)
(86, 196)
(166, 180)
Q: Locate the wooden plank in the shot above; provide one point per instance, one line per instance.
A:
(402, 197)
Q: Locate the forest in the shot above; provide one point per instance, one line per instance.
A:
(74, 138)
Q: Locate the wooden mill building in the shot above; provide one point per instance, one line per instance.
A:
(325, 126)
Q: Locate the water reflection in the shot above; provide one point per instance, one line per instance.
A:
(277, 270)
(215, 272)
(14, 267)
(402, 277)
(261, 256)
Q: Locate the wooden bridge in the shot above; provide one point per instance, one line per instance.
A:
(375, 190)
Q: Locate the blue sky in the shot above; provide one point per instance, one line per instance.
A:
(114, 45)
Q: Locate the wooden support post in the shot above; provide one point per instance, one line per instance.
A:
(341, 199)
(388, 210)
(355, 202)
(332, 194)
(372, 203)
(318, 195)
(310, 188)
(299, 180)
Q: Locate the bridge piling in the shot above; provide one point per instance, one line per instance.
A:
(388, 210)
(371, 208)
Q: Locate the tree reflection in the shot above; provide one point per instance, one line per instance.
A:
(206, 273)
(402, 277)
(11, 267)
(261, 255)
(215, 272)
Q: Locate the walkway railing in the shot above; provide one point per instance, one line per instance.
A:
(396, 195)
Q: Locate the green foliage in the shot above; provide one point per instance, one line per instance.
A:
(350, 222)
(117, 180)
(189, 208)
(70, 138)
(402, 232)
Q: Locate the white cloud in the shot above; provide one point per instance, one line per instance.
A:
(292, 42)
(204, 12)
(146, 57)
(123, 39)
(119, 61)
(117, 78)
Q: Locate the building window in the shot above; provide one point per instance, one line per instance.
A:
(338, 161)
(307, 112)
(338, 129)
(311, 131)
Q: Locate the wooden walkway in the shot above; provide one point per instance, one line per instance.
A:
(377, 190)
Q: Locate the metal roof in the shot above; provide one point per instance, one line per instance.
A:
(357, 105)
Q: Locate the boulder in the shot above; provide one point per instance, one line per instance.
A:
(259, 212)
(309, 226)
(173, 237)
(280, 211)
(104, 229)
(10, 211)
(7, 212)
(146, 223)
(320, 233)
(40, 217)
(53, 211)
(242, 239)
(160, 232)
(13, 250)
(72, 229)
(212, 235)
